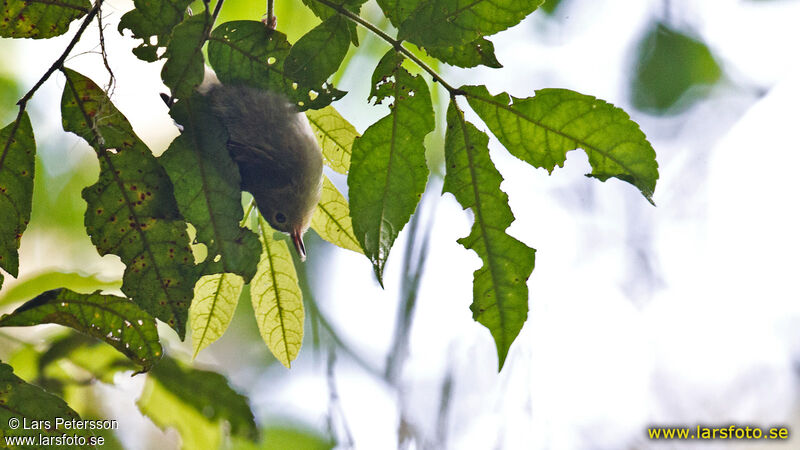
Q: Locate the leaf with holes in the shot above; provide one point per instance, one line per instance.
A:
(184, 69)
(208, 395)
(499, 292)
(540, 130)
(131, 211)
(248, 52)
(332, 220)
(335, 136)
(388, 171)
(472, 54)
(277, 299)
(207, 189)
(26, 403)
(16, 188)
(39, 19)
(215, 299)
(442, 23)
(319, 53)
(153, 21)
(114, 320)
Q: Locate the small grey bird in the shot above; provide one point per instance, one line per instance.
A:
(279, 159)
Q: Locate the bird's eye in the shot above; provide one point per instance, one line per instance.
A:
(280, 218)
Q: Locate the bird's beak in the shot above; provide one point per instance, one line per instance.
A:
(297, 238)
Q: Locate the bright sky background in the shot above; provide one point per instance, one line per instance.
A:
(684, 313)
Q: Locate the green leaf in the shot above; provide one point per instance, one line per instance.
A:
(17, 159)
(540, 130)
(248, 52)
(153, 18)
(335, 136)
(388, 171)
(670, 66)
(500, 295)
(207, 189)
(332, 220)
(26, 402)
(114, 320)
(100, 362)
(39, 19)
(215, 299)
(472, 54)
(33, 284)
(204, 395)
(131, 211)
(549, 6)
(319, 53)
(283, 437)
(167, 410)
(325, 12)
(184, 69)
(443, 23)
(398, 11)
(277, 299)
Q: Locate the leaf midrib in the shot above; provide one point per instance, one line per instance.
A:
(272, 274)
(478, 209)
(102, 152)
(580, 143)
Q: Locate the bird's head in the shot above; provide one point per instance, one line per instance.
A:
(290, 211)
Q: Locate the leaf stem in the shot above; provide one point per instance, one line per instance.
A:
(397, 44)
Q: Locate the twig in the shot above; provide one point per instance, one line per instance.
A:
(271, 20)
(444, 408)
(60, 61)
(397, 44)
(23, 102)
(413, 266)
(334, 404)
(111, 79)
(217, 9)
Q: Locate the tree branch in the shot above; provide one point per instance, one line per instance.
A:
(397, 44)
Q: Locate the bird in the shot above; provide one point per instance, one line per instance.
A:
(272, 143)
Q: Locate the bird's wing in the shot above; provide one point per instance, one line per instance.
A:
(260, 168)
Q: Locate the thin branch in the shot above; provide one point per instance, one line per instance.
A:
(60, 61)
(444, 408)
(111, 79)
(271, 20)
(334, 405)
(413, 267)
(397, 44)
(217, 9)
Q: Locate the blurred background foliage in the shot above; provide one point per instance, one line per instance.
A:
(673, 70)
